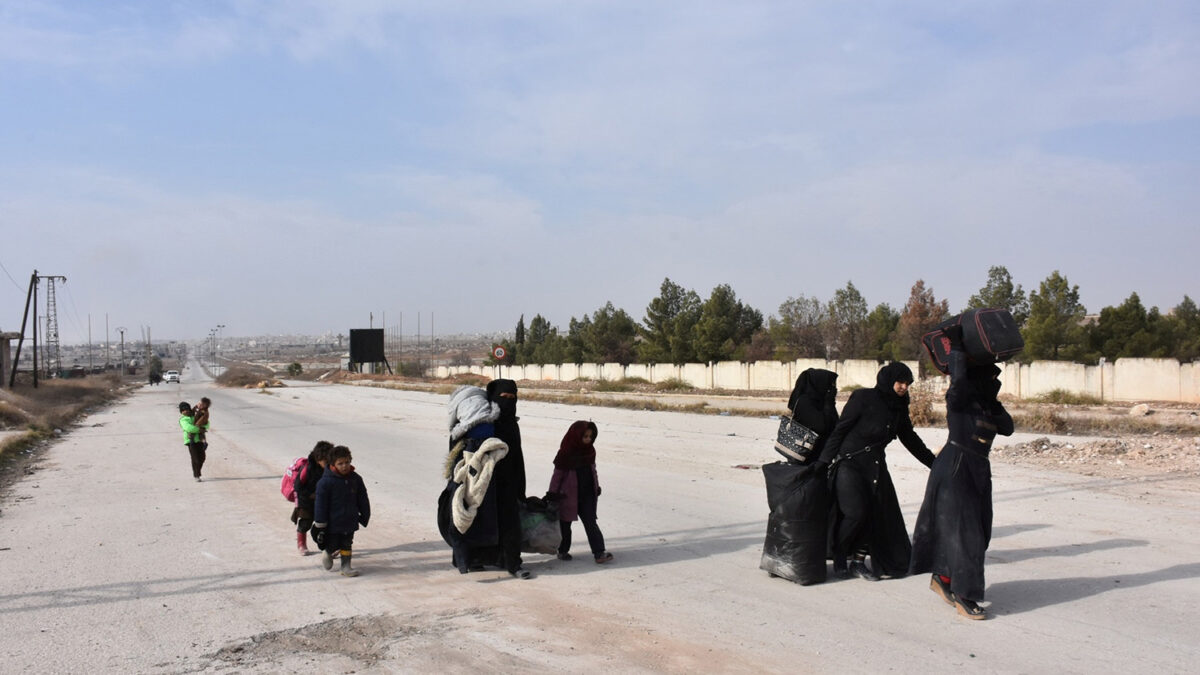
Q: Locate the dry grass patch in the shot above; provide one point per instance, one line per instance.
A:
(1043, 420)
(923, 398)
(1063, 397)
(243, 376)
(674, 384)
(52, 405)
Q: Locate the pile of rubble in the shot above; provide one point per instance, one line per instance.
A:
(1124, 457)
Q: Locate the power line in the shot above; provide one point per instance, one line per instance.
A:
(10, 278)
(75, 312)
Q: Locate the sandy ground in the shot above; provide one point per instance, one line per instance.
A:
(116, 561)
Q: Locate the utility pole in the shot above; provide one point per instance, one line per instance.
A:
(122, 367)
(54, 358)
(31, 303)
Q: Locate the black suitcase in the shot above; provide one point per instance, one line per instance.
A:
(989, 336)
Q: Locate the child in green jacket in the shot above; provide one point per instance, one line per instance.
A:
(193, 437)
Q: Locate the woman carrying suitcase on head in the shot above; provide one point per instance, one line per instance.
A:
(954, 525)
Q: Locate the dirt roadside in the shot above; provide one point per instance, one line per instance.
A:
(122, 563)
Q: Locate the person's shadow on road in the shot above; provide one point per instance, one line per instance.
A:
(1002, 556)
(659, 548)
(1015, 597)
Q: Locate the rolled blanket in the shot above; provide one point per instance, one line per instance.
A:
(473, 473)
(468, 407)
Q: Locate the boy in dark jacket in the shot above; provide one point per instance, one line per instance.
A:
(306, 493)
(341, 506)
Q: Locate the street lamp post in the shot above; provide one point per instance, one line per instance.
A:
(220, 328)
(212, 345)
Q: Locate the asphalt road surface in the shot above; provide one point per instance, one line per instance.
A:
(115, 560)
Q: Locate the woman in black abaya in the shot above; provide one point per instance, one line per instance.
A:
(812, 404)
(509, 477)
(954, 526)
(866, 518)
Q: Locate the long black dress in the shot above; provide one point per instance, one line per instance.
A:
(954, 526)
(510, 474)
(866, 516)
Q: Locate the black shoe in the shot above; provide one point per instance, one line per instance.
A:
(839, 567)
(522, 574)
(859, 568)
(564, 556)
(938, 586)
(969, 609)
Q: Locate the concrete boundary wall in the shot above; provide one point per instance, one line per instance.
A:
(1123, 380)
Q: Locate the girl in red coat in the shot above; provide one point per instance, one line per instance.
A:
(576, 481)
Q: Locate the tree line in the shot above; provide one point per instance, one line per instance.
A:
(679, 326)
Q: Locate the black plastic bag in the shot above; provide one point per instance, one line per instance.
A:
(540, 531)
(795, 546)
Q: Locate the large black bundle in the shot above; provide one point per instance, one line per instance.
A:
(483, 531)
(445, 519)
(540, 531)
(796, 528)
(989, 336)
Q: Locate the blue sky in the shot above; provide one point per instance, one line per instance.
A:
(293, 167)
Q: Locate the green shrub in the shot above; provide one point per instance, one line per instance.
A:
(294, 369)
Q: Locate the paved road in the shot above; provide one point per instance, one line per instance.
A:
(114, 560)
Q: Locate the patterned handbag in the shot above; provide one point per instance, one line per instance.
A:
(794, 441)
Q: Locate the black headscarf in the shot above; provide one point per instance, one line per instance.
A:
(814, 384)
(885, 380)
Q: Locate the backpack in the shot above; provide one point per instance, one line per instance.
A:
(294, 474)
